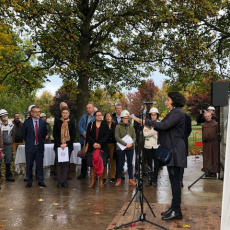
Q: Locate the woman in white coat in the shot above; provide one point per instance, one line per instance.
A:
(151, 145)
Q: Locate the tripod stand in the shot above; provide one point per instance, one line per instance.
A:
(139, 190)
(217, 163)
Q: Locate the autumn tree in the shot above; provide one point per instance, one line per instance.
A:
(146, 92)
(44, 102)
(93, 42)
(117, 42)
(105, 99)
(18, 75)
(62, 96)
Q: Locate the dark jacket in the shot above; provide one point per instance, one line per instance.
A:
(169, 129)
(187, 130)
(28, 134)
(103, 136)
(114, 116)
(112, 133)
(57, 134)
(17, 137)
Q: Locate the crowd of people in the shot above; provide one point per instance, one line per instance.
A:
(109, 136)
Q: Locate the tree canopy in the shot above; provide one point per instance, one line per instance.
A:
(118, 42)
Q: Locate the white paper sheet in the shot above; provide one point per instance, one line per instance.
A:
(126, 139)
(63, 154)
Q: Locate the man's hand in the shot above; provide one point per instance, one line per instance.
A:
(84, 135)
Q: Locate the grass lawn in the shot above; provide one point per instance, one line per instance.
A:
(191, 139)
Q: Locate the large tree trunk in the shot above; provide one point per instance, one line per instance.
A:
(82, 98)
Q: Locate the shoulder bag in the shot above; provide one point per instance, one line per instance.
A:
(84, 149)
(163, 154)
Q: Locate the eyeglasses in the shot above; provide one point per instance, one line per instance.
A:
(125, 118)
(98, 115)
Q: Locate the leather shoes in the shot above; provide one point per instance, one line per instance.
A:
(173, 216)
(59, 185)
(42, 184)
(29, 184)
(181, 184)
(80, 177)
(11, 179)
(166, 212)
(65, 185)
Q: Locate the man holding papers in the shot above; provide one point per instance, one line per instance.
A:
(64, 135)
(125, 137)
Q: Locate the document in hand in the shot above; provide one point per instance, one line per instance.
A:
(63, 154)
(126, 139)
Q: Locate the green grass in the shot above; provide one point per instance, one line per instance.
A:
(191, 139)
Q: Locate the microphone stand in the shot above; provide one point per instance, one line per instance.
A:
(139, 189)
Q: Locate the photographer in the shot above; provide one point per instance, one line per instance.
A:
(201, 119)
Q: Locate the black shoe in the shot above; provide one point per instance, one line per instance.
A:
(123, 178)
(59, 185)
(148, 183)
(42, 184)
(145, 174)
(29, 184)
(81, 176)
(11, 179)
(64, 185)
(104, 181)
(173, 216)
(166, 212)
(25, 179)
(154, 183)
(212, 174)
(181, 184)
(113, 180)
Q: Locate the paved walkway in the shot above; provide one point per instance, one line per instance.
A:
(81, 208)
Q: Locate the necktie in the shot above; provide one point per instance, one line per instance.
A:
(36, 132)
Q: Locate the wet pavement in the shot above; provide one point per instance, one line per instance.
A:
(82, 208)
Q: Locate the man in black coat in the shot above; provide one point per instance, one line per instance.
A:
(34, 133)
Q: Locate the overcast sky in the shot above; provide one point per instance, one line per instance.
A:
(56, 82)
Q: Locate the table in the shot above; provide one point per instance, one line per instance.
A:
(49, 155)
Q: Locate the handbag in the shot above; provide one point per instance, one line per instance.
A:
(83, 151)
(163, 154)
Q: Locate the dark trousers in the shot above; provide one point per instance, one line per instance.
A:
(174, 177)
(120, 162)
(62, 170)
(150, 154)
(36, 155)
(181, 174)
(83, 165)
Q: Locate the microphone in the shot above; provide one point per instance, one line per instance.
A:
(149, 102)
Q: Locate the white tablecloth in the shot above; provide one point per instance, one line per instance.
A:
(49, 155)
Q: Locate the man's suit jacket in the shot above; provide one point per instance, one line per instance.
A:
(28, 134)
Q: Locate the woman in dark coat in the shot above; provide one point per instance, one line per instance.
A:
(171, 129)
(111, 146)
(97, 136)
(64, 135)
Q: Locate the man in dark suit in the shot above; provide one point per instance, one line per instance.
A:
(34, 133)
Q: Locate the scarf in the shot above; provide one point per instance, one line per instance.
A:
(64, 131)
(98, 162)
